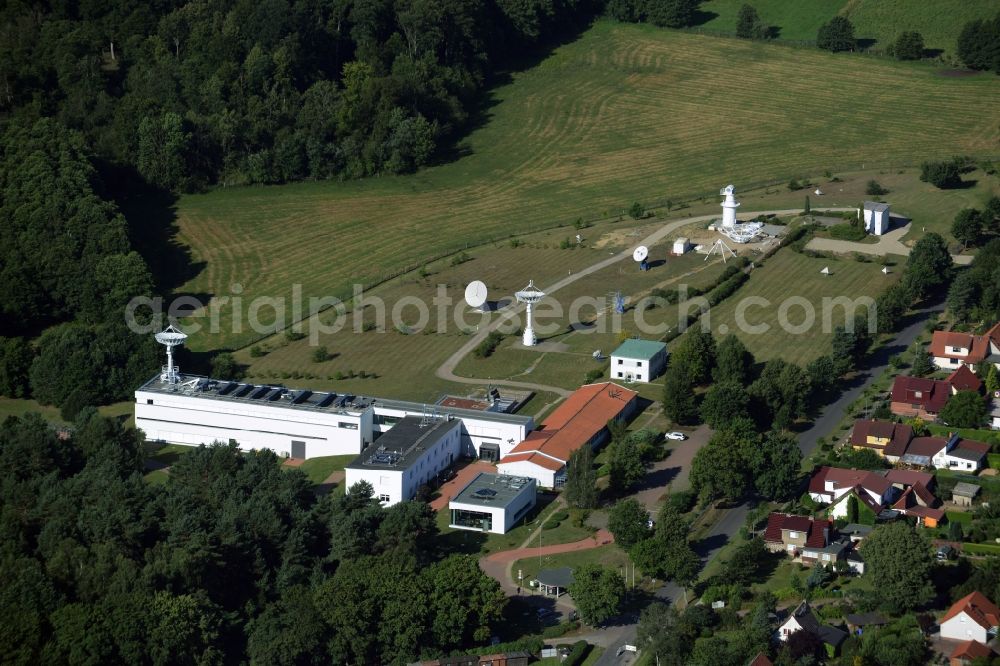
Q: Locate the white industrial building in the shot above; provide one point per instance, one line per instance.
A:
(301, 423)
(413, 453)
(492, 503)
(876, 217)
(638, 360)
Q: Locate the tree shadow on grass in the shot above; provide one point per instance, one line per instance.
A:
(701, 17)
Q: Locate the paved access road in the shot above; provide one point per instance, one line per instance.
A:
(888, 243)
(447, 369)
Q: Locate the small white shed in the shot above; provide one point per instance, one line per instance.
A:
(682, 246)
(876, 217)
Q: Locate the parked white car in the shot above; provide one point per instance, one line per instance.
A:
(675, 435)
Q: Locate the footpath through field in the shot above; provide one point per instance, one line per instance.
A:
(446, 370)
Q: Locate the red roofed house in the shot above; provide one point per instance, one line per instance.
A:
(581, 420)
(922, 503)
(964, 379)
(919, 397)
(880, 436)
(761, 660)
(973, 617)
(965, 653)
(829, 484)
(792, 534)
(951, 350)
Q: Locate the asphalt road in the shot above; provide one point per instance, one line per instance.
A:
(831, 415)
(732, 519)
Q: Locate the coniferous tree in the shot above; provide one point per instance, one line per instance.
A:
(581, 479)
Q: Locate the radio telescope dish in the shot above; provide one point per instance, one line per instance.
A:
(475, 294)
(170, 337)
(640, 253)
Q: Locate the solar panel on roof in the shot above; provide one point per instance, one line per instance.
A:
(325, 402)
(276, 394)
(260, 392)
(243, 390)
(485, 493)
(228, 388)
(301, 396)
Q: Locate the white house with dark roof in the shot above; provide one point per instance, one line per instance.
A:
(876, 217)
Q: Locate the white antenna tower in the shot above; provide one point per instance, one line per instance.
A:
(170, 337)
(529, 296)
(720, 246)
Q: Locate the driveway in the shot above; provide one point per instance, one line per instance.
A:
(888, 243)
(672, 472)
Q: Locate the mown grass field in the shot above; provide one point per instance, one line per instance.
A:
(790, 275)
(624, 113)
(939, 21)
(796, 20)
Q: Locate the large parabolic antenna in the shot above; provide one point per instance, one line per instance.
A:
(170, 337)
(639, 254)
(529, 296)
(475, 294)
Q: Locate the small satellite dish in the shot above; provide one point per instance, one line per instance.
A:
(885, 270)
(640, 253)
(475, 294)
(826, 270)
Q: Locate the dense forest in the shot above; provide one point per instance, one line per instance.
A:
(233, 559)
(254, 91)
(101, 102)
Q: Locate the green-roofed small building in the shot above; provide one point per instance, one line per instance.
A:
(638, 360)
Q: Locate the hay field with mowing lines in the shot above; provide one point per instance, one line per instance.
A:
(624, 113)
(790, 274)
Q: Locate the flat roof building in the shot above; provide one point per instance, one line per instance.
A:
(301, 423)
(413, 453)
(492, 503)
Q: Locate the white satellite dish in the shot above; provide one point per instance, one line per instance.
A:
(475, 294)
(640, 253)
(826, 270)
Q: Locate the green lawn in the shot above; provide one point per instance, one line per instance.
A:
(792, 19)
(156, 477)
(878, 21)
(982, 435)
(939, 21)
(609, 556)
(791, 275)
(624, 113)
(981, 548)
(17, 407)
(468, 541)
(318, 469)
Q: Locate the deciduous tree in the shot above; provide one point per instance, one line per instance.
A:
(898, 562)
(598, 593)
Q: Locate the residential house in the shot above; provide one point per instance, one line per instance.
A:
(581, 420)
(918, 397)
(856, 532)
(875, 491)
(973, 617)
(761, 660)
(833, 552)
(963, 493)
(964, 379)
(802, 619)
(923, 504)
(878, 435)
(967, 652)
(951, 349)
(856, 562)
(792, 534)
(961, 454)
